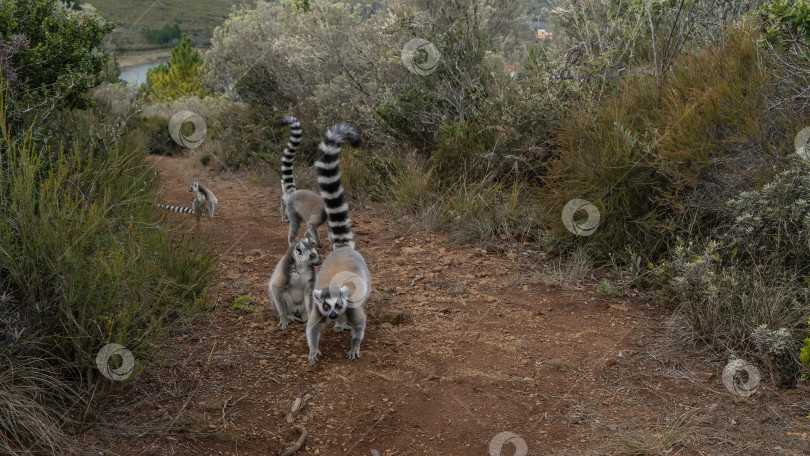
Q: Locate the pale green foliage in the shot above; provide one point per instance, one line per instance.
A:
(277, 55)
(696, 279)
(337, 62)
(778, 349)
(772, 225)
(729, 307)
(776, 342)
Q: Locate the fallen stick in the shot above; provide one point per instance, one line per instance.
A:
(224, 406)
(382, 376)
(297, 446)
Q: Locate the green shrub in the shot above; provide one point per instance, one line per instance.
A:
(726, 306)
(786, 19)
(237, 135)
(155, 131)
(180, 76)
(363, 172)
(85, 264)
(245, 304)
(48, 58)
(168, 34)
(778, 349)
(646, 155)
(488, 208)
(770, 228)
(412, 186)
(472, 210)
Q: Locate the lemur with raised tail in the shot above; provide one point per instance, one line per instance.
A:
(204, 202)
(343, 283)
(298, 205)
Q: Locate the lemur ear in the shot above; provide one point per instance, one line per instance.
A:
(344, 292)
(316, 294)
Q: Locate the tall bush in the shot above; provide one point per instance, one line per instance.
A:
(180, 76)
(110, 275)
(653, 157)
(48, 58)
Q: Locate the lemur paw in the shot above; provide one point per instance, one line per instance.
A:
(313, 358)
(340, 327)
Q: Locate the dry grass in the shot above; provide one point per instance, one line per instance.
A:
(30, 420)
(652, 442)
(565, 271)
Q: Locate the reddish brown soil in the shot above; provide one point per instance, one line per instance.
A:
(462, 343)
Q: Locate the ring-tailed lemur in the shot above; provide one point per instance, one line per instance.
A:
(292, 282)
(343, 283)
(305, 206)
(298, 205)
(204, 202)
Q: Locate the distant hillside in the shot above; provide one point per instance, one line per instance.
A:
(196, 18)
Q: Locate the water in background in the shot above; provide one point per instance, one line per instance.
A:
(136, 74)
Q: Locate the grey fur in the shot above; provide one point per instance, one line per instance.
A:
(292, 282)
(343, 283)
(204, 202)
(298, 205)
(337, 296)
(305, 206)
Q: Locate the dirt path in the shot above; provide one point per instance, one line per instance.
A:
(462, 345)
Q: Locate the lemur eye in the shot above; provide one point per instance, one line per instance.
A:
(339, 306)
(326, 307)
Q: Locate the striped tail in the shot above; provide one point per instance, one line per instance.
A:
(287, 178)
(340, 232)
(185, 210)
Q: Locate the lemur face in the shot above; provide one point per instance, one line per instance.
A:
(331, 301)
(304, 253)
